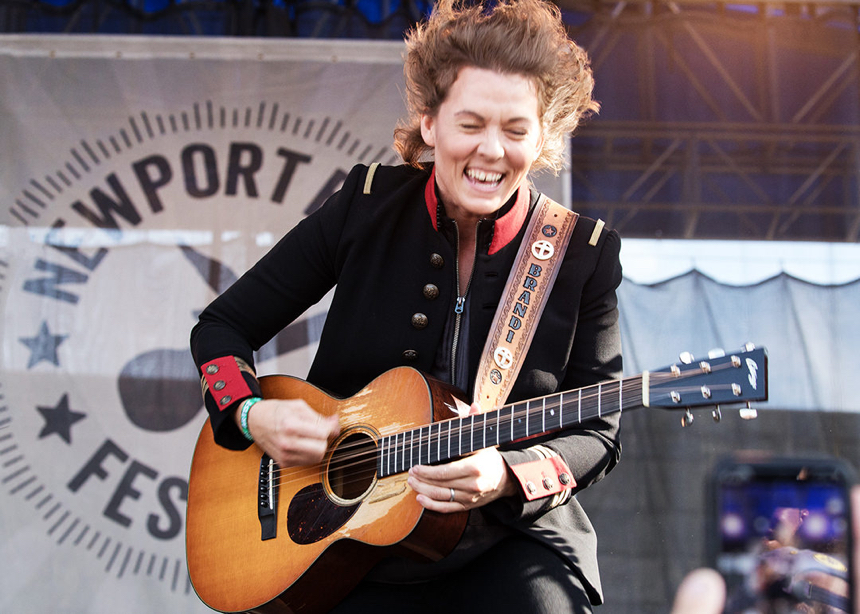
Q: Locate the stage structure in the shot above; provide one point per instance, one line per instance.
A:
(719, 120)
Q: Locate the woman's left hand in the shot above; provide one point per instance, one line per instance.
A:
(463, 484)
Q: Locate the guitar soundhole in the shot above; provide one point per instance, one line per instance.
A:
(351, 470)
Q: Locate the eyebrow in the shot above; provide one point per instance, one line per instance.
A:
(477, 115)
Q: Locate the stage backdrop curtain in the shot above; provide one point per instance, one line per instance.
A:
(651, 513)
(141, 175)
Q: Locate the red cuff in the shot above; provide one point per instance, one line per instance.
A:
(225, 381)
(544, 477)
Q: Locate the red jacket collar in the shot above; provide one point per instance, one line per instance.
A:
(505, 228)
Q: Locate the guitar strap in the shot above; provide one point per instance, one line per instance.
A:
(523, 301)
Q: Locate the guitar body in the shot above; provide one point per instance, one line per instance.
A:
(331, 523)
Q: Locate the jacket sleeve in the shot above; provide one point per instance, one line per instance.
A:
(294, 275)
(584, 454)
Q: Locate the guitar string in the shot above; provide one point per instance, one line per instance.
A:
(589, 395)
(423, 439)
(349, 461)
(359, 454)
(427, 438)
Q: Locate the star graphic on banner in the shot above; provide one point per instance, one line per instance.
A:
(59, 419)
(43, 346)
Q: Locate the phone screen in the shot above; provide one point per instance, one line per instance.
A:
(784, 537)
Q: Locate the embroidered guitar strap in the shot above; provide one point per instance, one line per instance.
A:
(523, 300)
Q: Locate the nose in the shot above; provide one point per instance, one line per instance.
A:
(491, 146)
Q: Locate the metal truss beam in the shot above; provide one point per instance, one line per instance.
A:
(722, 123)
(718, 120)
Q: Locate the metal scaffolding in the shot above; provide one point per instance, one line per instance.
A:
(723, 121)
(718, 120)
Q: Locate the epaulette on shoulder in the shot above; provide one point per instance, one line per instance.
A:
(368, 180)
(598, 228)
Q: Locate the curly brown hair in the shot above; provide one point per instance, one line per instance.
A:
(522, 37)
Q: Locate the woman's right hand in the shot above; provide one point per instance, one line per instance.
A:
(290, 431)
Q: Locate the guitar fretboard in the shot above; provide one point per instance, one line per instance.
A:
(449, 439)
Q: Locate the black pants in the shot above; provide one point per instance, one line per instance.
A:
(516, 575)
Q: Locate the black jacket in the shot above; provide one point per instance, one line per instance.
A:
(380, 250)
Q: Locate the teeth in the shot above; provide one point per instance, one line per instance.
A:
(483, 176)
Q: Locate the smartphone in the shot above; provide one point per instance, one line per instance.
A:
(780, 535)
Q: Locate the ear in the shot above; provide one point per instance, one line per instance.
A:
(428, 129)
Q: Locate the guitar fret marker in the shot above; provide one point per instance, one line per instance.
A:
(598, 399)
(439, 444)
(543, 415)
(528, 411)
(449, 440)
(472, 435)
(485, 432)
(561, 410)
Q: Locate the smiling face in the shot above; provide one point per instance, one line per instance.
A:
(486, 135)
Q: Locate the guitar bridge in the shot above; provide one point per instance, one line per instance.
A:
(267, 499)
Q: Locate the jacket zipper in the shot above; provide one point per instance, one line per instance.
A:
(460, 305)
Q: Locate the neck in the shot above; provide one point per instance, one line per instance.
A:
(466, 221)
(456, 437)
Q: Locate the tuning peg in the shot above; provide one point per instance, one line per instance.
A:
(716, 353)
(717, 415)
(749, 346)
(686, 358)
(687, 418)
(748, 413)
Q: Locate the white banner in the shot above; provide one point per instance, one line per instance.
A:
(139, 176)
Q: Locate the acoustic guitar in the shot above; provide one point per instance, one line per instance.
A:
(260, 538)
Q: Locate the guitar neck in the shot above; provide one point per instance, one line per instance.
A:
(449, 439)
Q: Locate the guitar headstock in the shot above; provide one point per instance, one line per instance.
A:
(740, 377)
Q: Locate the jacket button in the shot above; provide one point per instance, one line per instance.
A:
(419, 321)
(437, 261)
(410, 355)
(431, 291)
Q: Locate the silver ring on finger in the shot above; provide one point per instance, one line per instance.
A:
(451, 499)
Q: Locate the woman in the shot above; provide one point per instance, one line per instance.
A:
(419, 255)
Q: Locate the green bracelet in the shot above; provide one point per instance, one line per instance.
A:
(247, 404)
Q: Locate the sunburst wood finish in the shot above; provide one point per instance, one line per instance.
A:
(233, 570)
